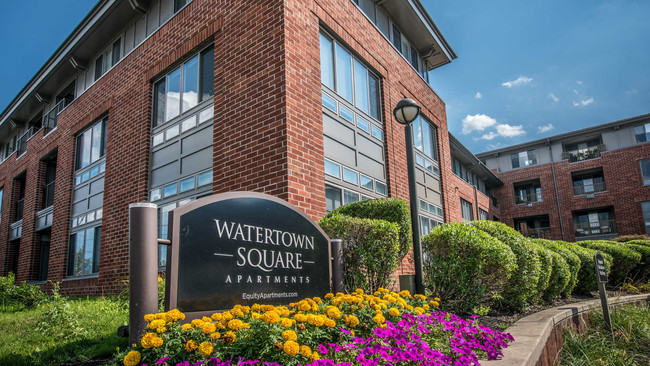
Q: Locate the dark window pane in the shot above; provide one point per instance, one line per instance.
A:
(178, 4)
(159, 103)
(117, 55)
(207, 74)
(361, 86)
(373, 89)
(326, 62)
(332, 198)
(414, 58)
(639, 133)
(98, 67)
(515, 160)
(397, 39)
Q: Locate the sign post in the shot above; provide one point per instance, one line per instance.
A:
(601, 274)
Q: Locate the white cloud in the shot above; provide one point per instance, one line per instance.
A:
(553, 97)
(583, 103)
(575, 92)
(520, 81)
(493, 146)
(477, 122)
(478, 95)
(579, 82)
(489, 136)
(545, 128)
(506, 130)
(631, 91)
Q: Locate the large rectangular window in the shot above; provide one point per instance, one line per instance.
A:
(466, 210)
(645, 207)
(349, 77)
(642, 133)
(184, 87)
(111, 56)
(524, 158)
(84, 252)
(645, 171)
(588, 183)
(528, 192)
(597, 222)
(424, 137)
(91, 144)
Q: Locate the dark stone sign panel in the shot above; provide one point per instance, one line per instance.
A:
(244, 248)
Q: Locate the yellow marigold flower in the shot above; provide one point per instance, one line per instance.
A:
(352, 321)
(383, 326)
(329, 296)
(174, 315)
(245, 326)
(358, 291)
(333, 312)
(229, 337)
(196, 323)
(158, 323)
(149, 317)
(132, 358)
(149, 340)
(256, 316)
(305, 351)
(235, 324)
(160, 279)
(208, 328)
(289, 335)
(256, 307)
(190, 345)
(426, 307)
(405, 293)
(317, 300)
(271, 317)
(300, 318)
(186, 326)
(206, 348)
(286, 322)
(409, 307)
(237, 312)
(216, 317)
(435, 304)
(215, 335)
(246, 309)
(379, 319)
(330, 323)
(318, 321)
(420, 297)
(291, 348)
(393, 312)
(419, 310)
(304, 306)
(206, 319)
(161, 330)
(436, 299)
(314, 357)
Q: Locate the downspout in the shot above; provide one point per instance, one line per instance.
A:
(557, 195)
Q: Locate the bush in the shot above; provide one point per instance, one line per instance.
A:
(644, 242)
(392, 210)
(625, 259)
(465, 264)
(587, 280)
(626, 238)
(522, 285)
(22, 294)
(370, 250)
(560, 277)
(642, 271)
(546, 270)
(572, 260)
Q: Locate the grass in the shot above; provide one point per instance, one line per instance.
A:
(630, 345)
(62, 331)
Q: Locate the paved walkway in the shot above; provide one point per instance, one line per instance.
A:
(532, 332)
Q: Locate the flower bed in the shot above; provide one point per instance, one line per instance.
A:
(342, 329)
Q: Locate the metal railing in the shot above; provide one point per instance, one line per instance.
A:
(48, 195)
(21, 143)
(589, 188)
(50, 118)
(528, 198)
(537, 233)
(583, 154)
(595, 228)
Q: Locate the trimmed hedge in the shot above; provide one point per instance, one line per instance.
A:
(570, 258)
(465, 265)
(642, 271)
(626, 238)
(521, 288)
(587, 280)
(639, 242)
(392, 210)
(546, 270)
(370, 250)
(625, 259)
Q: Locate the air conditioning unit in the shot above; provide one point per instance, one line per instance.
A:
(529, 205)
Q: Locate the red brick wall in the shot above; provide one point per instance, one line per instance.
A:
(624, 191)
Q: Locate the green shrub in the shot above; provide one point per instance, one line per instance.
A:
(587, 280)
(370, 250)
(546, 270)
(626, 238)
(22, 294)
(644, 242)
(625, 259)
(522, 285)
(392, 210)
(560, 277)
(572, 260)
(642, 271)
(465, 265)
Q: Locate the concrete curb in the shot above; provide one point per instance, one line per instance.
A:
(532, 333)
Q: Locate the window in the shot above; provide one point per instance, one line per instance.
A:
(348, 77)
(645, 171)
(48, 188)
(179, 4)
(1, 194)
(84, 252)
(645, 207)
(163, 228)
(482, 214)
(189, 84)
(335, 197)
(588, 183)
(427, 224)
(594, 222)
(642, 133)
(466, 210)
(111, 56)
(524, 158)
(528, 192)
(424, 137)
(91, 144)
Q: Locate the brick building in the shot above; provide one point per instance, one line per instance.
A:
(170, 100)
(586, 184)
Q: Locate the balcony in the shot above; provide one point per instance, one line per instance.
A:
(589, 188)
(50, 118)
(528, 198)
(588, 153)
(21, 143)
(537, 233)
(595, 228)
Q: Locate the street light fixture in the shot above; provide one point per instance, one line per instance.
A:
(405, 112)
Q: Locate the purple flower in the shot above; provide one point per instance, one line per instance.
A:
(162, 361)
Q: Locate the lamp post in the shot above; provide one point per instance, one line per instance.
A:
(406, 111)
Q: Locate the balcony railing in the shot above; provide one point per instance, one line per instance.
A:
(50, 118)
(589, 188)
(21, 143)
(48, 195)
(595, 228)
(537, 233)
(528, 198)
(592, 152)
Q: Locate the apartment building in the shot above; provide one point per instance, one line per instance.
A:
(587, 184)
(167, 101)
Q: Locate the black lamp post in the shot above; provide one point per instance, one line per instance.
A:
(406, 111)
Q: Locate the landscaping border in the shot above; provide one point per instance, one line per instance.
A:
(538, 337)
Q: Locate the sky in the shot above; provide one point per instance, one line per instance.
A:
(525, 69)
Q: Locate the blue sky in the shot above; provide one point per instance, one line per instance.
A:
(531, 69)
(525, 69)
